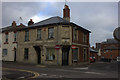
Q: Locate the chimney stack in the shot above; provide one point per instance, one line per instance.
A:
(66, 13)
(30, 22)
(14, 24)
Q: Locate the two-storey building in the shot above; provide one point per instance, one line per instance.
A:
(9, 41)
(54, 41)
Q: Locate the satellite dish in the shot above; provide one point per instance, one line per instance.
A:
(116, 33)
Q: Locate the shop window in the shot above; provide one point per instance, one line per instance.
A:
(50, 55)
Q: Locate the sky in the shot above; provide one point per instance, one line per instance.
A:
(101, 18)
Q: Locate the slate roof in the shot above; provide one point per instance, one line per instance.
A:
(11, 28)
(112, 47)
(110, 41)
(53, 21)
(93, 50)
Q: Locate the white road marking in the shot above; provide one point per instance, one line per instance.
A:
(82, 68)
(44, 74)
(92, 73)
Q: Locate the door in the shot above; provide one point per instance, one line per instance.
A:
(38, 51)
(15, 55)
(65, 55)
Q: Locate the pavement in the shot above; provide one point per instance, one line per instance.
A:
(18, 71)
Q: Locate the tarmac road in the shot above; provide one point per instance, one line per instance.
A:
(94, 70)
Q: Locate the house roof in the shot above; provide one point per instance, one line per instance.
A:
(11, 28)
(54, 21)
(112, 47)
(93, 50)
(110, 41)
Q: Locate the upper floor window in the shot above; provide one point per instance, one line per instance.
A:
(84, 38)
(27, 35)
(15, 36)
(5, 51)
(50, 33)
(75, 34)
(6, 37)
(39, 34)
(26, 52)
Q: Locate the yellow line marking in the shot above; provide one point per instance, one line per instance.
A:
(33, 72)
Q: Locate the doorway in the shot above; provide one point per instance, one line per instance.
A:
(65, 55)
(14, 54)
(38, 51)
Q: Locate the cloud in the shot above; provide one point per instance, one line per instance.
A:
(100, 18)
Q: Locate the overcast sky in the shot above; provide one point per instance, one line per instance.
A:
(101, 18)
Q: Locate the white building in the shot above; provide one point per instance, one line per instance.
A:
(9, 42)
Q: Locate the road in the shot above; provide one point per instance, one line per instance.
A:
(16, 71)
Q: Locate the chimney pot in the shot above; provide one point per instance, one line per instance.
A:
(30, 22)
(14, 24)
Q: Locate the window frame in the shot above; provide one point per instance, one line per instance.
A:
(6, 38)
(27, 35)
(51, 34)
(50, 56)
(6, 52)
(39, 34)
(85, 54)
(77, 54)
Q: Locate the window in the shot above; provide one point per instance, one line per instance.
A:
(84, 38)
(84, 54)
(26, 51)
(50, 33)
(75, 54)
(15, 37)
(27, 35)
(6, 37)
(75, 35)
(5, 51)
(50, 55)
(39, 34)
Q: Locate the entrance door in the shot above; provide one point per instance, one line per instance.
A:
(38, 51)
(15, 55)
(65, 55)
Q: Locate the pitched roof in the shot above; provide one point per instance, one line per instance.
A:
(11, 28)
(112, 47)
(53, 21)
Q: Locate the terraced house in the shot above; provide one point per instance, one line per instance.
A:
(9, 41)
(54, 41)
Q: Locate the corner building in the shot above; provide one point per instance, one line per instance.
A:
(54, 41)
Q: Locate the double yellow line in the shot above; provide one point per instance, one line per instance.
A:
(36, 74)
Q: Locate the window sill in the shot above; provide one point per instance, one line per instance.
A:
(26, 40)
(50, 38)
(6, 43)
(14, 42)
(49, 60)
(38, 39)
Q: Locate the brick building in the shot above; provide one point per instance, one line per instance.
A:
(54, 41)
(110, 49)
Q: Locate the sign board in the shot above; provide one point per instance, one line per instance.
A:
(57, 47)
(73, 47)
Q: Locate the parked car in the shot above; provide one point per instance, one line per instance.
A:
(92, 59)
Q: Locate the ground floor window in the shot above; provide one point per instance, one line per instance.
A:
(5, 52)
(26, 51)
(50, 54)
(84, 54)
(75, 54)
